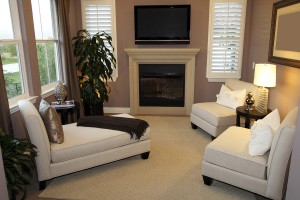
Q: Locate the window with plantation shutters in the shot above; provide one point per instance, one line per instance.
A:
(98, 16)
(225, 41)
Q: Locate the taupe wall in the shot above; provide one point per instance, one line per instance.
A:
(286, 94)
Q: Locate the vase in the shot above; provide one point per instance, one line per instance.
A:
(60, 93)
(249, 101)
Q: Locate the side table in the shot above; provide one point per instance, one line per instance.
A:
(254, 114)
(64, 112)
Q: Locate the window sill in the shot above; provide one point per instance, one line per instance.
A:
(216, 79)
(48, 90)
(220, 80)
(15, 108)
(47, 93)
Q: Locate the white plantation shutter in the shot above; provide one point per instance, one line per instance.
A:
(226, 37)
(97, 16)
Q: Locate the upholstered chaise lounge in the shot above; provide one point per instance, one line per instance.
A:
(227, 159)
(83, 147)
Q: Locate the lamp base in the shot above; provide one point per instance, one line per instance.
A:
(262, 104)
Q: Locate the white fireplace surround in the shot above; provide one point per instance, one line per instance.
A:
(184, 56)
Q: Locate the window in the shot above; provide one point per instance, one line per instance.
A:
(225, 39)
(97, 16)
(45, 27)
(11, 50)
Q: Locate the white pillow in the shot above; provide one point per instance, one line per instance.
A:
(260, 139)
(262, 133)
(221, 93)
(232, 99)
(273, 120)
(224, 89)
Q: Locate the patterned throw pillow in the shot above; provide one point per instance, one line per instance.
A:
(52, 122)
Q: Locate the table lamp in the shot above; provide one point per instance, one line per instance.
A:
(264, 76)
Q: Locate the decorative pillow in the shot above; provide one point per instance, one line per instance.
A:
(232, 99)
(52, 123)
(260, 139)
(273, 120)
(224, 89)
(221, 93)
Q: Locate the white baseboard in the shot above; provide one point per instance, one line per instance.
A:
(116, 110)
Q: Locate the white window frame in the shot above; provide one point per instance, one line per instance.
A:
(18, 41)
(222, 76)
(48, 89)
(113, 25)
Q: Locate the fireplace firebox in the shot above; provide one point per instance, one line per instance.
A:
(161, 85)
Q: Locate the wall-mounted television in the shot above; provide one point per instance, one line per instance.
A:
(162, 24)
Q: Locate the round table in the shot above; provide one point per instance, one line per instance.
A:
(254, 114)
(65, 110)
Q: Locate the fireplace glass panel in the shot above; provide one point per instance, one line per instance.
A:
(162, 85)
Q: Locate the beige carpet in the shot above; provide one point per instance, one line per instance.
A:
(172, 172)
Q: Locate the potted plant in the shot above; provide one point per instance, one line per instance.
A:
(94, 64)
(18, 160)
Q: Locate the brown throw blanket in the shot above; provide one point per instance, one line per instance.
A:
(135, 127)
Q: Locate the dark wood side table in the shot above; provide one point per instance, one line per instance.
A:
(64, 113)
(254, 114)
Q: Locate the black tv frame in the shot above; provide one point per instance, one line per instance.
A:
(162, 40)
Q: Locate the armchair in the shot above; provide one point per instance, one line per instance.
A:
(227, 159)
(215, 118)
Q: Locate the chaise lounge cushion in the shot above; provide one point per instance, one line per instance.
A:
(236, 157)
(83, 141)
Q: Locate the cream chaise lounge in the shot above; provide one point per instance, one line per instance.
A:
(83, 147)
(226, 159)
(215, 118)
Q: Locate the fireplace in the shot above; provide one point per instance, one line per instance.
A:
(161, 85)
(166, 101)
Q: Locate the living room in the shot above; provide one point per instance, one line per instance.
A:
(256, 49)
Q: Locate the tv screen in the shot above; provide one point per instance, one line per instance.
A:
(162, 24)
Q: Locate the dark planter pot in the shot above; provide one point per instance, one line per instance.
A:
(92, 110)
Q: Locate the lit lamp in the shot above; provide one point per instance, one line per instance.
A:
(264, 76)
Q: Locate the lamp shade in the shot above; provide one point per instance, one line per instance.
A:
(265, 75)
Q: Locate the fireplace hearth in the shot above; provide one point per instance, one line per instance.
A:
(161, 85)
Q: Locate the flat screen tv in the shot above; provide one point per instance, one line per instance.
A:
(162, 24)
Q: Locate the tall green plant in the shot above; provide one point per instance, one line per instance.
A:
(18, 159)
(95, 63)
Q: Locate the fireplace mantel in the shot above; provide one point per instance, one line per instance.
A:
(161, 56)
